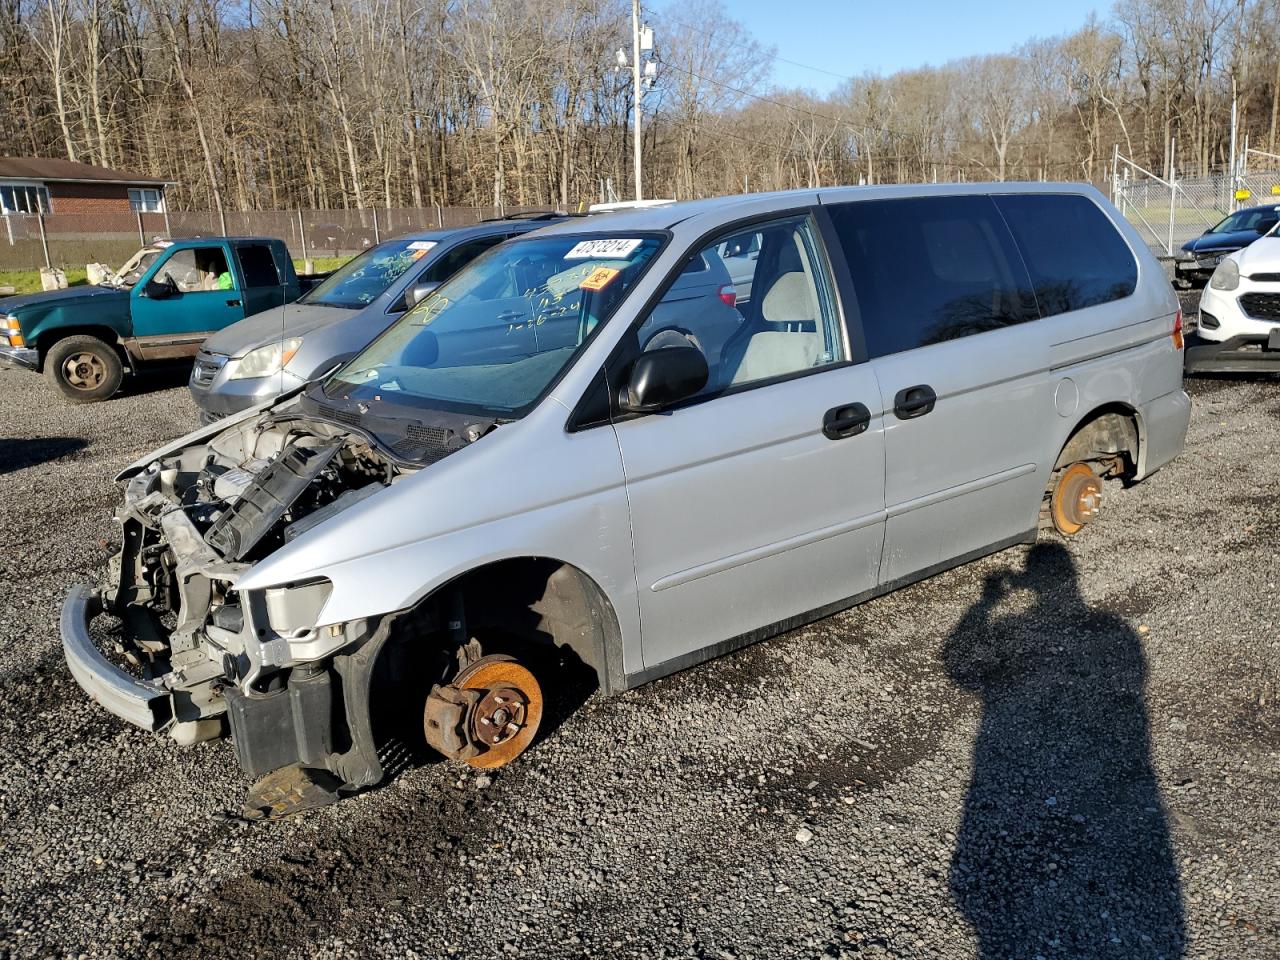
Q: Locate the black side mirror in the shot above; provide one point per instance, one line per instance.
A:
(662, 377)
(159, 289)
(420, 292)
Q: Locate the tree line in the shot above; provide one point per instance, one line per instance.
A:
(273, 104)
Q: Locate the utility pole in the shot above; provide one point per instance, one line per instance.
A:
(635, 79)
(1233, 179)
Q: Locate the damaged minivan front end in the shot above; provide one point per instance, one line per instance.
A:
(193, 650)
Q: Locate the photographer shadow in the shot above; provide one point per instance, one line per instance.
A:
(1063, 848)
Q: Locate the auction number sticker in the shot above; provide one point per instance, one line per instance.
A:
(599, 278)
(603, 249)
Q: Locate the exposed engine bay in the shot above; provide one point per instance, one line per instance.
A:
(316, 709)
(193, 522)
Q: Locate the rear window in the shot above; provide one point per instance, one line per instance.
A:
(1074, 254)
(258, 266)
(931, 269)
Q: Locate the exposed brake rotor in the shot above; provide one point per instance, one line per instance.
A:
(487, 715)
(1077, 498)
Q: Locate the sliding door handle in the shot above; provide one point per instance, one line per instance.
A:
(914, 401)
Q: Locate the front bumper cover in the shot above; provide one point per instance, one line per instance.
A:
(144, 703)
(1247, 353)
(21, 358)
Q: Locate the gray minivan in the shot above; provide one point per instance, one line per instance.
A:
(270, 353)
(416, 547)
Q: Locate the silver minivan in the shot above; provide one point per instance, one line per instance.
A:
(473, 510)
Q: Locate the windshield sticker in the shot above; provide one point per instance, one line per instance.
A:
(419, 254)
(423, 245)
(602, 248)
(599, 279)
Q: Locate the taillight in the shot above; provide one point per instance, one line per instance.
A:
(1177, 330)
(728, 295)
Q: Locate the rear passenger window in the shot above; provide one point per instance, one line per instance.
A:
(1074, 254)
(931, 269)
(258, 266)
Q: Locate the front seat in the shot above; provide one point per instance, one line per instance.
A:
(786, 339)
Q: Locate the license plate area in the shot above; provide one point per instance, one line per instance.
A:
(1273, 340)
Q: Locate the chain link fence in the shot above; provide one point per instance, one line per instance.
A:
(1168, 213)
(30, 241)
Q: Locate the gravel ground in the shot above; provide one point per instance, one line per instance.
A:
(1054, 752)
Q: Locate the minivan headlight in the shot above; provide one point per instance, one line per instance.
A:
(265, 361)
(1226, 277)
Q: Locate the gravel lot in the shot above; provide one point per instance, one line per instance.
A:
(1054, 752)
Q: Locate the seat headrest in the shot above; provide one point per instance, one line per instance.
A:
(790, 300)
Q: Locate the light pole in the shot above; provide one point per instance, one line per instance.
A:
(635, 79)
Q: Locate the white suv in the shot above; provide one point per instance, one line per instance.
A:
(1240, 312)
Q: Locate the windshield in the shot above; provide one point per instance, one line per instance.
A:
(496, 335)
(359, 282)
(1247, 220)
(137, 265)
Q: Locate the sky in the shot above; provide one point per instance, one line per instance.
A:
(850, 37)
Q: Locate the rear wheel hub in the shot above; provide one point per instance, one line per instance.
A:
(1077, 498)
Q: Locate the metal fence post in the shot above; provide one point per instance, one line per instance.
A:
(302, 234)
(8, 227)
(376, 238)
(1173, 193)
(44, 241)
(142, 237)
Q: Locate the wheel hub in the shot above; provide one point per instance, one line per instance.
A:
(487, 716)
(499, 715)
(1077, 498)
(84, 370)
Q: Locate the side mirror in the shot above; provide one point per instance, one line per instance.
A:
(159, 290)
(420, 292)
(1265, 227)
(662, 377)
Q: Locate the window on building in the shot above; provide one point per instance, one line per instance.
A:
(24, 198)
(146, 200)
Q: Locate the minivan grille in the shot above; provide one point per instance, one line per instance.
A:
(206, 369)
(1261, 306)
(1265, 277)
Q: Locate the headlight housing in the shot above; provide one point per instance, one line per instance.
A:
(265, 361)
(1226, 277)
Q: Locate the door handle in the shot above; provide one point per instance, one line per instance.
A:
(233, 303)
(846, 421)
(914, 401)
(509, 315)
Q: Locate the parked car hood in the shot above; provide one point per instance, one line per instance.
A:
(18, 301)
(292, 320)
(1221, 241)
(1261, 256)
(339, 340)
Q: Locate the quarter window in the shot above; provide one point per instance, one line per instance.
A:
(777, 318)
(1074, 254)
(931, 269)
(258, 266)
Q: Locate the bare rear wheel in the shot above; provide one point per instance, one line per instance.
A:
(1075, 499)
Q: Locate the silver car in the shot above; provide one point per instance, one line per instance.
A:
(519, 482)
(259, 358)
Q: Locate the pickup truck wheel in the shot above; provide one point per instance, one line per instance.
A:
(84, 369)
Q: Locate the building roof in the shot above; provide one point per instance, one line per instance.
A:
(69, 171)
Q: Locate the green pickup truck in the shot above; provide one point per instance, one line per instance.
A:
(160, 307)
